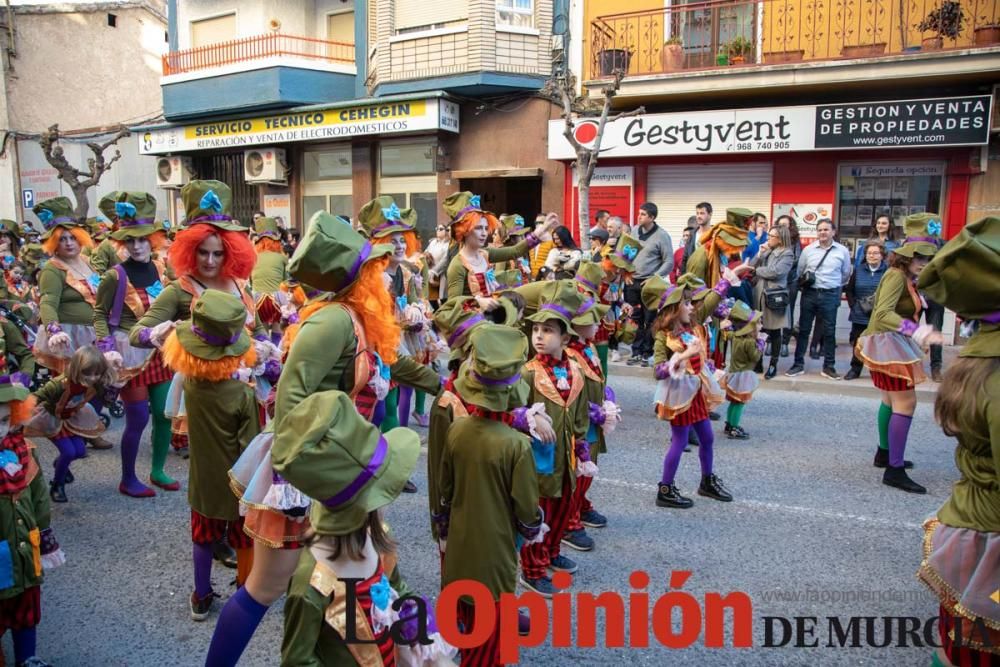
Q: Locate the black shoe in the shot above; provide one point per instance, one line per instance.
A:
(772, 370)
(57, 492)
(897, 477)
(711, 487)
(852, 374)
(882, 459)
(830, 373)
(543, 586)
(69, 479)
(633, 360)
(784, 350)
(578, 539)
(795, 371)
(34, 661)
(563, 564)
(409, 487)
(182, 452)
(593, 519)
(224, 554)
(736, 432)
(714, 416)
(669, 496)
(200, 607)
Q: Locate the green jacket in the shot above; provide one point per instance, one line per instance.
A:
(61, 303)
(442, 416)
(893, 304)
(19, 516)
(593, 392)
(13, 343)
(174, 303)
(269, 272)
(458, 276)
(570, 420)
(745, 353)
(488, 485)
(106, 256)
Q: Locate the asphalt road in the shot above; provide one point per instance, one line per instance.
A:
(812, 533)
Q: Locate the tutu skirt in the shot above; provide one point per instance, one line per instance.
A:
(80, 335)
(893, 356)
(740, 386)
(675, 395)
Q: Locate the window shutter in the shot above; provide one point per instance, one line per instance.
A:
(416, 13)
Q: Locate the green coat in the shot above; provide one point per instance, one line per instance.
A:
(269, 272)
(18, 517)
(593, 392)
(745, 353)
(488, 483)
(442, 416)
(893, 304)
(105, 256)
(222, 420)
(61, 303)
(174, 303)
(568, 421)
(458, 276)
(13, 343)
(698, 264)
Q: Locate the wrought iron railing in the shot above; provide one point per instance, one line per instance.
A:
(255, 48)
(706, 34)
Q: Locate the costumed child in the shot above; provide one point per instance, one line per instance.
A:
(961, 550)
(209, 350)
(557, 382)
(18, 288)
(609, 285)
(65, 413)
(602, 410)
(269, 273)
(352, 471)
(108, 254)
(746, 348)
(488, 488)
(514, 230)
(27, 545)
(893, 345)
(685, 392)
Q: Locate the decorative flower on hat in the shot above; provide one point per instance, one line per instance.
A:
(166, 225)
(210, 202)
(45, 215)
(934, 227)
(392, 213)
(124, 209)
(518, 221)
(474, 201)
(630, 251)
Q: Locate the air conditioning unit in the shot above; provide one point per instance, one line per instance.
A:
(265, 165)
(173, 172)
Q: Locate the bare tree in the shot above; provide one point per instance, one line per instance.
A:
(80, 181)
(563, 89)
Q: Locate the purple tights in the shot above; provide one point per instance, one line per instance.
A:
(202, 569)
(24, 644)
(405, 399)
(70, 448)
(678, 441)
(136, 418)
(899, 430)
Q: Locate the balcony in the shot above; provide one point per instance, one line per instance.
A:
(260, 72)
(787, 42)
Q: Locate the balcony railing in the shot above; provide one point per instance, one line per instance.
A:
(710, 34)
(257, 47)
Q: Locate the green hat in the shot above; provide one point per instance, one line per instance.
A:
(31, 254)
(741, 314)
(694, 287)
(56, 212)
(457, 317)
(587, 309)
(14, 387)
(589, 276)
(963, 274)
(738, 216)
(657, 294)
(923, 235)
(459, 204)
(625, 252)
(136, 213)
(410, 218)
(331, 254)
(514, 224)
(332, 454)
(267, 227)
(106, 204)
(209, 202)
(381, 217)
(10, 227)
(491, 378)
(509, 279)
(217, 327)
(560, 300)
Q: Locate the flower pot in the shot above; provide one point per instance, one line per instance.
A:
(932, 44)
(722, 59)
(736, 60)
(988, 34)
(614, 59)
(863, 50)
(672, 57)
(782, 57)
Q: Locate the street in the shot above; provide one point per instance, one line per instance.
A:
(812, 532)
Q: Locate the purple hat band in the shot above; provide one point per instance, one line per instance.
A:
(666, 294)
(556, 308)
(210, 218)
(122, 223)
(391, 223)
(61, 219)
(463, 327)
(464, 211)
(352, 273)
(212, 339)
(351, 490)
(922, 239)
(587, 283)
(587, 305)
(16, 378)
(490, 382)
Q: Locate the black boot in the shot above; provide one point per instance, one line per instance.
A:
(669, 496)
(784, 350)
(711, 487)
(882, 459)
(735, 432)
(57, 492)
(224, 554)
(772, 370)
(898, 478)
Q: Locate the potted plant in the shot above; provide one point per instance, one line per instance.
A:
(722, 57)
(945, 20)
(738, 49)
(672, 55)
(987, 34)
(614, 59)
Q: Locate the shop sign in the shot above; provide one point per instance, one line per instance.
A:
(318, 125)
(610, 190)
(279, 206)
(948, 121)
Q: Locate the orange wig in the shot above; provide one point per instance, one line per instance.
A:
(239, 253)
(267, 244)
(464, 225)
(196, 368)
(156, 241)
(51, 244)
(20, 411)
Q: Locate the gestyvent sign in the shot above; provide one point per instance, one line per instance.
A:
(949, 121)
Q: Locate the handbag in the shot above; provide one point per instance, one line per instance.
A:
(866, 304)
(809, 277)
(776, 299)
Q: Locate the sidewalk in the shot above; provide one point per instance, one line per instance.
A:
(812, 382)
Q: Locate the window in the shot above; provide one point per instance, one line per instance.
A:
(516, 13)
(340, 27)
(327, 165)
(423, 14)
(112, 21)
(897, 190)
(213, 30)
(407, 159)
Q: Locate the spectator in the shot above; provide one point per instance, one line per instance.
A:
(860, 293)
(601, 219)
(771, 267)
(540, 252)
(793, 280)
(675, 273)
(756, 236)
(564, 258)
(598, 244)
(703, 216)
(655, 259)
(829, 264)
(615, 229)
(883, 231)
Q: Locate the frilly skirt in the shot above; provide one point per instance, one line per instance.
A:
(961, 566)
(80, 335)
(84, 423)
(893, 355)
(264, 496)
(674, 395)
(740, 386)
(134, 359)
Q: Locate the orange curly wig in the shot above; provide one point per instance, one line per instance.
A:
(182, 361)
(20, 411)
(156, 241)
(464, 225)
(51, 244)
(238, 261)
(267, 244)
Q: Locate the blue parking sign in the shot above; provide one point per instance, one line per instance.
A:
(28, 198)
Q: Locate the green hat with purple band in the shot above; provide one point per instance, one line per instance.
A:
(331, 254)
(209, 202)
(657, 294)
(135, 213)
(491, 378)
(625, 253)
(217, 327)
(54, 213)
(459, 204)
(381, 217)
(923, 235)
(559, 300)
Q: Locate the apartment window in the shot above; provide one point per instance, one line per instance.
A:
(516, 13)
(340, 27)
(407, 159)
(412, 14)
(112, 21)
(213, 30)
